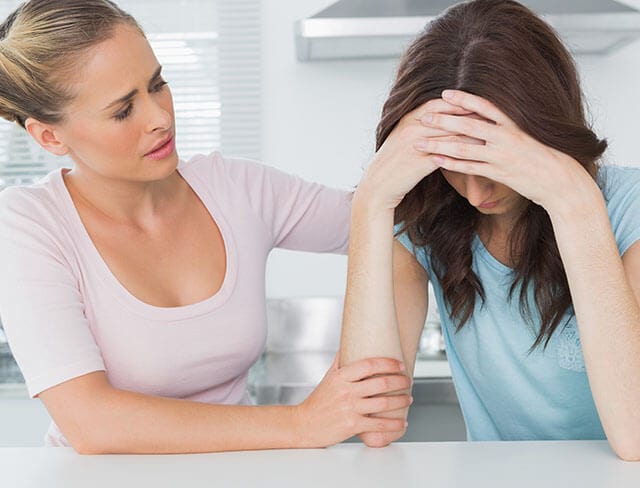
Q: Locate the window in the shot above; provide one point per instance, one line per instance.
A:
(210, 52)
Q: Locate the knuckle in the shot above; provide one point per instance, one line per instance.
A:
(432, 146)
(369, 367)
(462, 150)
(350, 423)
(382, 404)
(386, 382)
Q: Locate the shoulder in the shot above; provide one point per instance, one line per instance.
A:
(36, 203)
(214, 167)
(621, 190)
(617, 182)
(421, 253)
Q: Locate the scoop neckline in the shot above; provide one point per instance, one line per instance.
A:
(487, 257)
(122, 293)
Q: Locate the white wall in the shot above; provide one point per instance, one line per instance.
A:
(319, 121)
(611, 84)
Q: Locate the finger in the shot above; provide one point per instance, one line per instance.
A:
(425, 131)
(438, 105)
(476, 104)
(456, 138)
(456, 150)
(370, 367)
(383, 404)
(379, 385)
(475, 168)
(381, 424)
(468, 126)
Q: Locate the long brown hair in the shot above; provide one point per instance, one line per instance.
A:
(501, 51)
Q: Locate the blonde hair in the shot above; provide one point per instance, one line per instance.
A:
(41, 47)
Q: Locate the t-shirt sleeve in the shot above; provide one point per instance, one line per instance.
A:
(420, 253)
(298, 215)
(40, 301)
(622, 193)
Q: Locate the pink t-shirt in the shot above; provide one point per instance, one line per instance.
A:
(65, 313)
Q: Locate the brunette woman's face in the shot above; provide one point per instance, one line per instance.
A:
(120, 124)
(487, 196)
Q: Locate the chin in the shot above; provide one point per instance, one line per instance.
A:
(167, 165)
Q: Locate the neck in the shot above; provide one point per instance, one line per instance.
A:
(122, 201)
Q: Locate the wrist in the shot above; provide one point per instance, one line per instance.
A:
(368, 205)
(578, 204)
(298, 430)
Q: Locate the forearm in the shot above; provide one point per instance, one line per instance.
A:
(370, 326)
(107, 420)
(607, 313)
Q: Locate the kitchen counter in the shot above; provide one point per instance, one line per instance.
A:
(499, 464)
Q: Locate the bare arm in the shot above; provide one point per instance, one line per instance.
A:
(98, 419)
(609, 325)
(386, 299)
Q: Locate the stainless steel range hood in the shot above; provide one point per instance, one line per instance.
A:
(350, 29)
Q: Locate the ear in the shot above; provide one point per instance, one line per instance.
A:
(46, 135)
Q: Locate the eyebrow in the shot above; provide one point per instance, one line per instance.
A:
(133, 92)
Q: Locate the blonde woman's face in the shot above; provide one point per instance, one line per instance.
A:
(122, 112)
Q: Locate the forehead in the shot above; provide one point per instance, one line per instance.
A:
(113, 68)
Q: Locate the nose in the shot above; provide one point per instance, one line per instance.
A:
(478, 189)
(159, 118)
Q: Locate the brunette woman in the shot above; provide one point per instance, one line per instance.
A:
(530, 244)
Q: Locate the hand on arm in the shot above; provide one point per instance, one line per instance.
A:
(98, 419)
(371, 326)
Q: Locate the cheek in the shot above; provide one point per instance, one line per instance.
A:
(167, 100)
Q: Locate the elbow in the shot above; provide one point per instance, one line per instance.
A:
(627, 449)
(93, 441)
(86, 446)
(629, 455)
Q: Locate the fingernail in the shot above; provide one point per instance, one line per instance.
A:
(406, 423)
(448, 95)
(410, 400)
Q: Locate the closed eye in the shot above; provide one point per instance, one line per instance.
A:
(159, 86)
(123, 114)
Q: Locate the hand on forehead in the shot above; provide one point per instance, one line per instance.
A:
(441, 106)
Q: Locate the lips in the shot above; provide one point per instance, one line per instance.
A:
(159, 145)
(162, 150)
(489, 204)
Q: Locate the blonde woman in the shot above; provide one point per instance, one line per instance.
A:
(132, 287)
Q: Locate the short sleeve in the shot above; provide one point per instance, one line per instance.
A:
(621, 189)
(299, 215)
(419, 252)
(40, 301)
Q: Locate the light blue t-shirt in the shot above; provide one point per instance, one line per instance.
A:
(505, 393)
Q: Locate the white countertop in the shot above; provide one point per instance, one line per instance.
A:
(582, 464)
